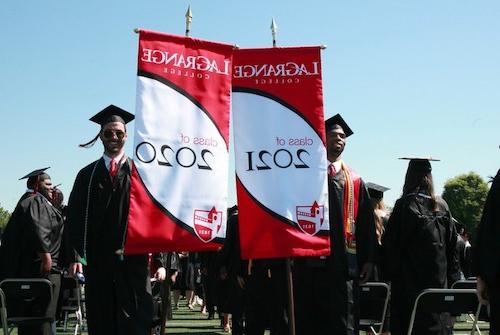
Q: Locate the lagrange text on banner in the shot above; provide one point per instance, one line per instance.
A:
(179, 184)
(281, 162)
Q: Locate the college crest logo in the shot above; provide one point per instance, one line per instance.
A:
(207, 223)
(310, 218)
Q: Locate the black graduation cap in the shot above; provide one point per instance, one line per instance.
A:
(376, 191)
(338, 120)
(112, 114)
(420, 164)
(35, 173)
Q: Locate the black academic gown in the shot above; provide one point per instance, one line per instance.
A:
(461, 255)
(263, 299)
(209, 279)
(117, 288)
(35, 227)
(326, 288)
(486, 261)
(12, 234)
(420, 251)
(230, 296)
(26, 195)
(10, 252)
(47, 225)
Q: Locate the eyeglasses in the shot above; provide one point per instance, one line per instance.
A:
(108, 133)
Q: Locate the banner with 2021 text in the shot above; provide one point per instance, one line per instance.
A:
(178, 195)
(280, 152)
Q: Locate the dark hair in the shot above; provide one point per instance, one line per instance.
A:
(418, 181)
(31, 182)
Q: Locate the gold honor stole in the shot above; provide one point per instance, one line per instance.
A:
(352, 186)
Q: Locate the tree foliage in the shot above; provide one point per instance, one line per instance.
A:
(4, 217)
(466, 194)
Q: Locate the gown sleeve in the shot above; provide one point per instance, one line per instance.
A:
(40, 225)
(76, 214)
(365, 229)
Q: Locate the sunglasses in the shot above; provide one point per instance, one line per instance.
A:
(109, 133)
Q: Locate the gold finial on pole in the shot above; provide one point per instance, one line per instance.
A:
(274, 30)
(189, 19)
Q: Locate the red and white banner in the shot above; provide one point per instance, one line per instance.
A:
(178, 195)
(281, 162)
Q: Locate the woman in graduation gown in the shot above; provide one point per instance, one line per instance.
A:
(117, 287)
(420, 250)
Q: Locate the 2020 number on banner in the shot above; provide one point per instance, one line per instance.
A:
(179, 184)
(280, 152)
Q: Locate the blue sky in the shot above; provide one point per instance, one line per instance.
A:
(410, 77)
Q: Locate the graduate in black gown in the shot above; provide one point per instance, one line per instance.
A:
(13, 233)
(33, 248)
(229, 284)
(486, 255)
(255, 289)
(117, 288)
(420, 250)
(327, 288)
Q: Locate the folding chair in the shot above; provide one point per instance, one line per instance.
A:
(471, 283)
(374, 299)
(455, 301)
(26, 301)
(3, 313)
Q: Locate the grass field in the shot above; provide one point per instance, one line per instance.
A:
(193, 322)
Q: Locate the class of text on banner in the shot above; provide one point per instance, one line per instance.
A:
(178, 195)
(280, 152)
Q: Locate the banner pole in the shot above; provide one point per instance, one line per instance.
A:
(274, 30)
(289, 277)
(291, 306)
(189, 19)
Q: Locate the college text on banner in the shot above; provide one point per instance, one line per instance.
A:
(179, 181)
(280, 152)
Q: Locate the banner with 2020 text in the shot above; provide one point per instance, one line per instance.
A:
(178, 195)
(280, 152)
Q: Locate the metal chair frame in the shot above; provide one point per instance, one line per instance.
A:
(3, 313)
(448, 296)
(368, 287)
(77, 309)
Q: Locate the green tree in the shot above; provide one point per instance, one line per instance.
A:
(4, 217)
(466, 194)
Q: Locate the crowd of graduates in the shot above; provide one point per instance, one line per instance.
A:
(254, 292)
(416, 246)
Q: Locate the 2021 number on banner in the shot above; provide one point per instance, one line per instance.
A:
(179, 183)
(280, 152)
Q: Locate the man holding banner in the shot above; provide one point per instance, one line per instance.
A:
(117, 288)
(331, 283)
